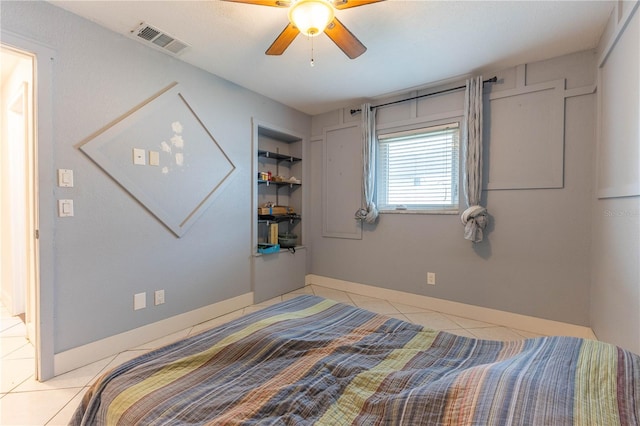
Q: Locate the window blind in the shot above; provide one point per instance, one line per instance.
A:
(418, 169)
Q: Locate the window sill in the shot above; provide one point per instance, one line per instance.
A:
(407, 211)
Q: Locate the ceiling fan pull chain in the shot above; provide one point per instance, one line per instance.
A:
(312, 61)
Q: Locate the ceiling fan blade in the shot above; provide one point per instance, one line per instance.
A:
(344, 39)
(346, 4)
(273, 3)
(283, 41)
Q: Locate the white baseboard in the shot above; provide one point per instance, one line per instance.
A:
(95, 351)
(494, 316)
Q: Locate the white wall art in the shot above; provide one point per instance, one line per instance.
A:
(163, 155)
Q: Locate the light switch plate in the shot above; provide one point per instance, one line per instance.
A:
(65, 178)
(139, 301)
(154, 158)
(139, 156)
(65, 208)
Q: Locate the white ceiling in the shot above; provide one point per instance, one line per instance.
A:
(410, 44)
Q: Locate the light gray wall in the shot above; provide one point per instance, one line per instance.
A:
(113, 247)
(615, 289)
(535, 259)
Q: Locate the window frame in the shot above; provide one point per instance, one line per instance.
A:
(425, 126)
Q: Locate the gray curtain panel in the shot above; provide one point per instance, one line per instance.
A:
(368, 213)
(475, 217)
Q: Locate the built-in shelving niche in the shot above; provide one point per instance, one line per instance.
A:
(280, 152)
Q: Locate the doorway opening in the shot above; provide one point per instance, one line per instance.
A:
(18, 189)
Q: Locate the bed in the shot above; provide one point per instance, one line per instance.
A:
(311, 360)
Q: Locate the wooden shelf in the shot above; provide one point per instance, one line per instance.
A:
(273, 182)
(267, 218)
(278, 157)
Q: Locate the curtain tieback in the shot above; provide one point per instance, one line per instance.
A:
(368, 214)
(472, 213)
(475, 219)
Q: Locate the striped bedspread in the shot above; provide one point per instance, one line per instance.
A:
(315, 361)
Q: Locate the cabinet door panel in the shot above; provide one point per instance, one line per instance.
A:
(342, 181)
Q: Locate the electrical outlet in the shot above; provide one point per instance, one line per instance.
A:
(431, 278)
(159, 297)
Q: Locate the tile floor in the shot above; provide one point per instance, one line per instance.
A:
(26, 402)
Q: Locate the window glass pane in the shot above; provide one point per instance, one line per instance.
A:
(418, 170)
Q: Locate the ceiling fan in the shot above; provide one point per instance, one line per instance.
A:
(312, 17)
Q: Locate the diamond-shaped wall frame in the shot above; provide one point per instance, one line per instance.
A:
(184, 167)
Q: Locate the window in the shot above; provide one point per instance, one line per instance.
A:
(418, 169)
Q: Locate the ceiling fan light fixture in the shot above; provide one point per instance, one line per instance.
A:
(311, 17)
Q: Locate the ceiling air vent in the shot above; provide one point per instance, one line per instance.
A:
(160, 39)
